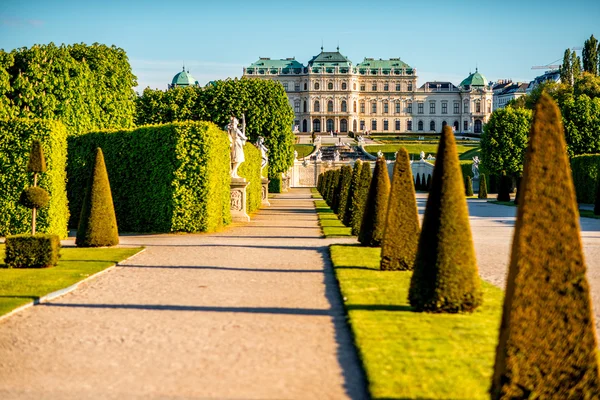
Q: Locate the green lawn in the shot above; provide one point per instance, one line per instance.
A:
(414, 149)
(410, 355)
(329, 222)
(21, 286)
(303, 149)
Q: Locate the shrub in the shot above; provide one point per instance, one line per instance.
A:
(468, 186)
(319, 182)
(335, 177)
(34, 197)
(354, 182)
(344, 189)
(337, 192)
(250, 169)
(97, 224)
(482, 187)
(32, 251)
(418, 182)
(547, 346)
(445, 277)
(504, 188)
(360, 197)
(184, 188)
(16, 138)
(276, 184)
(374, 217)
(401, 234)
(37, 162)
(586, 175)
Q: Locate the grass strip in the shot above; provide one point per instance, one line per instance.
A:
(304, 149)
(20, 286)
(410, 355)
(329, 221)
(414, 150)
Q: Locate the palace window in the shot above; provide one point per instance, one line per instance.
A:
(477, 106)
(317, 125)
(316, 85)
(409, 86)
(296, 87)
(374, 125)
(409, 107)
(304, 106)
(297, 106)
(432, 107)
(409, 125)
(397, 86)
(374, 87)
(456, 107)
(354, 86)
(305, 86)
(386, 86)
(386, 107)
(385, 125)
(362, 107)
(354, 106)
(432, 126)
(444, 107)
(330, 86)
(344, 106)
(330, 106)
(362, 125)
(317, 107)
(397, 123)
(455, 126)
(466, 107)
(489, 107)
(362, 88)
(285, 86)
(374, 107)
(397, 107)
(420, 108)
(465, 126)
(344, 86)
(420, 125)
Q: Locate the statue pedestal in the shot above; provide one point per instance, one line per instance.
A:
(475, 182)
(265, 192)
(238, 200)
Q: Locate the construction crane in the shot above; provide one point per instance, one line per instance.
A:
(552, 65)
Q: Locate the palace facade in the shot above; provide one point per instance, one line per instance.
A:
(332, 94)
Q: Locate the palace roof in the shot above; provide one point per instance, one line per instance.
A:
(474, 79)
(184, 79)
(330, 59)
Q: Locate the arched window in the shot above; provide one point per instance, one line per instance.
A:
(444, 123)
(330, 86)
(386, 125)
(354, 106)
(304, 106)
(456, 126)
(420, 125)
(397, 107)
(344, 86)
(329, 125)
(478, 126)
(354, 126)
(489, 107)
(305, 86)
(316, 85)
(330, 106)
(317, 107)
(316, 125)
(478, 106)
(354, 86)
(296, 106)
(409, 125)
(373, 125)
(344, 106)
(465, 126)
(374, 107)
(304, 126)
(432, 126)
(466, 107)
(343, 125)
(386, 107)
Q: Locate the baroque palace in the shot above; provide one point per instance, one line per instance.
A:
(331, 94)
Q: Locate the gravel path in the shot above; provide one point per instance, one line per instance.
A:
(249, 313)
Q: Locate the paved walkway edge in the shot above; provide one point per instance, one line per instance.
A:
(62, 292)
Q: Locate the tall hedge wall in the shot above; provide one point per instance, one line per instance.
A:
(16, 136)
(163, 178)
(250, 169)
(585, 169)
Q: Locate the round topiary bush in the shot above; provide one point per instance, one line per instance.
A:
(34, 197)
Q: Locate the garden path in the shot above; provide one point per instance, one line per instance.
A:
(250, 312)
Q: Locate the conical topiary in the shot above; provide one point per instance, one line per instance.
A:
(346, 177)
(428, 182)
(445, 277)
(360, 197)
(37, 162)
(547, 347)
(401, 235)
(335, 178)
(319, 182)
(504, 188)
(418, 182)
(373, 223)
(326, 182)
(339, 192)
(482, 187)
(468, 186)
(347, 220)
(97, 224)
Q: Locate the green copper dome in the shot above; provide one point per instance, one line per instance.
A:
(475, 79)
(184, 79)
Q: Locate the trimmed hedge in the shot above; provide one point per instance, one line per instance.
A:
(275, 184)
(250, 169)
(469, 186)
(16, 137)
(344, 189)
(34, 197)
(359, 197)
(374, 216)
(164, 178)
(347, 217)
(32, 251)
(482, 187)
(586, 173)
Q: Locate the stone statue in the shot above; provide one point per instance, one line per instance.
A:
(237, 139)
(336, 155)
(475, 167)
(319, 155)
(295, 155)
(430, 157)
(263, 152)
(379, 154)
(317, 139)
(422, 155)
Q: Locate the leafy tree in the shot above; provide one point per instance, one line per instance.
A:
(590, 55)
(575, 65)
(373, 223)
(566, 69)
(504, 140)
(354, 183)
(445, 277)
(547, 345)
(587, 84)
(581, 119)
(401, 234)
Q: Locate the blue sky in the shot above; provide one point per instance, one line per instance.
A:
(444, 40)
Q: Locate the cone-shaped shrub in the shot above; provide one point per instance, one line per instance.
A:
(418, 182)
(346, 177)
(37, 162)
(338, 190)
(319, 182)
(428, 182)
(375, 214)
(445, 277)
(360, 198)
(468, 186)
(326, 181)
(597, 204)
(97, 224)
(482, 187)
(347, 220)
(335, 178)
(401, 235)
(547, 347)
(504, 188)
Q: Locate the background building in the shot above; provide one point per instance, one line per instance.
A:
(183, 79)
(332, 94)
